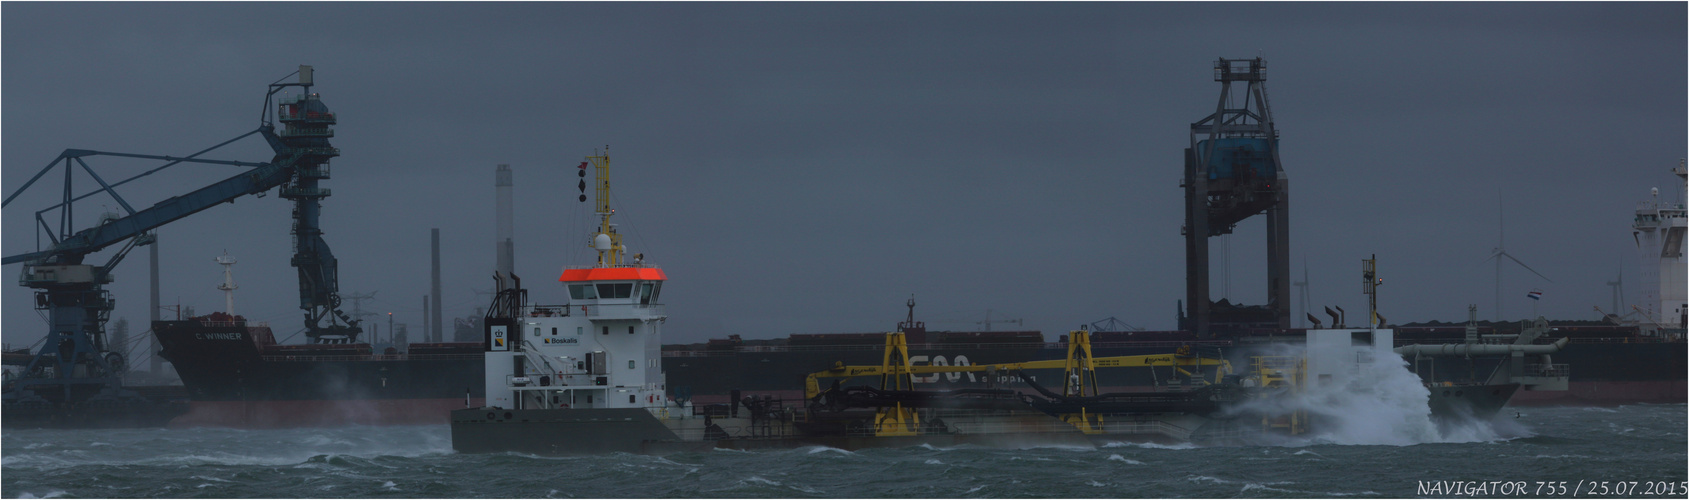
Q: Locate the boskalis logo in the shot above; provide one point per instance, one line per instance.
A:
(565, 340)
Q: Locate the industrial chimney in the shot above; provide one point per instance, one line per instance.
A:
(433, 335)
(506, 243)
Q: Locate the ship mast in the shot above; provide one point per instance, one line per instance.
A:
(228, 286)
(607, 241)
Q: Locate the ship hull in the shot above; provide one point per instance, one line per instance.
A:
(234, 378)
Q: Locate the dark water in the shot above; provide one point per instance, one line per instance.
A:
(1641, 443)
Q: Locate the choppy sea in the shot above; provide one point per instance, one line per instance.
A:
(1626, 451)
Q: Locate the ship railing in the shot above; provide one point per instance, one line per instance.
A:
(366, 357)
(538, 311)
(1167, 344)
(234, 324)
(620, 310)
(1549, 370)
(1618, 340)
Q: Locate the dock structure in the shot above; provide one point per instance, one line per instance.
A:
(1232, 173)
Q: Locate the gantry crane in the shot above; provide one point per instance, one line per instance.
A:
(70, 290)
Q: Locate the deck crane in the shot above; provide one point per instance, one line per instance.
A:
(70, 290)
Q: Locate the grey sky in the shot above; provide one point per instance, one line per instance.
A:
(803, 168)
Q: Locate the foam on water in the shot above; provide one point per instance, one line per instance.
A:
(1129, 461)
(1157, 446)
(155, 464)
(1381, 403)
(823, 449)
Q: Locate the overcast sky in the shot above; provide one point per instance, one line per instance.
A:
(804, 168)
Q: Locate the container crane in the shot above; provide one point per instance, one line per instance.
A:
(74, 353)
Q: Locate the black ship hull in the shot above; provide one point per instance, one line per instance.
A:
(236, 377)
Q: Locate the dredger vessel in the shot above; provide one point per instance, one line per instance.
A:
(588, 377)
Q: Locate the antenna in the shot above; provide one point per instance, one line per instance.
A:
(1303, 285)
(1501, 251)
(607, 241)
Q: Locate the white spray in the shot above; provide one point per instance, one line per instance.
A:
(1368, 397)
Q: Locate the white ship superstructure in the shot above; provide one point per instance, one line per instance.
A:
(1659, 229)
(602, 350)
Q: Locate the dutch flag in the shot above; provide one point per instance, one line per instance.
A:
(1535, 295)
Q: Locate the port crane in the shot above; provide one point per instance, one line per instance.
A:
(69, 288)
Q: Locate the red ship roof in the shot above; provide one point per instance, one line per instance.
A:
(613, 273)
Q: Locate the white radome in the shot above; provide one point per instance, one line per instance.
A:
(601, 242)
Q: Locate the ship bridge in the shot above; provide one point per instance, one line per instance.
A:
(601, 350)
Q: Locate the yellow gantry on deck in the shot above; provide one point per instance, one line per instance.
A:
(895, 376)
(897, 373)
(1290, 373)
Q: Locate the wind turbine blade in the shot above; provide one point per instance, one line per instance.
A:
(1522, 264)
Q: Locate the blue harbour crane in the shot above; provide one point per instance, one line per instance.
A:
(74, 357)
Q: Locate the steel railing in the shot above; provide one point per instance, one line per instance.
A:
(365, 357)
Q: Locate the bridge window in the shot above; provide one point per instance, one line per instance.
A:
(615, 290)
(582, 292)
(645, 293)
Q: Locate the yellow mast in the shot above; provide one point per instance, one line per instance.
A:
(609, 252)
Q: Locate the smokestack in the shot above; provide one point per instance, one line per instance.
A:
(506, 238)
(434, 335)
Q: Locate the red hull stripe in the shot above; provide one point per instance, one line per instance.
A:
(613, 273)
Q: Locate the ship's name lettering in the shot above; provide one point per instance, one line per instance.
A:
(218, 336)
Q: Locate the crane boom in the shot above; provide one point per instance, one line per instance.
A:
(72, 249)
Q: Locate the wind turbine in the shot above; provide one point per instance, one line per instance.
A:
(1618, 292)
(1501, 251)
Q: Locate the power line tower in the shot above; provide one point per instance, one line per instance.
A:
(1232, 173)
(357, 299)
